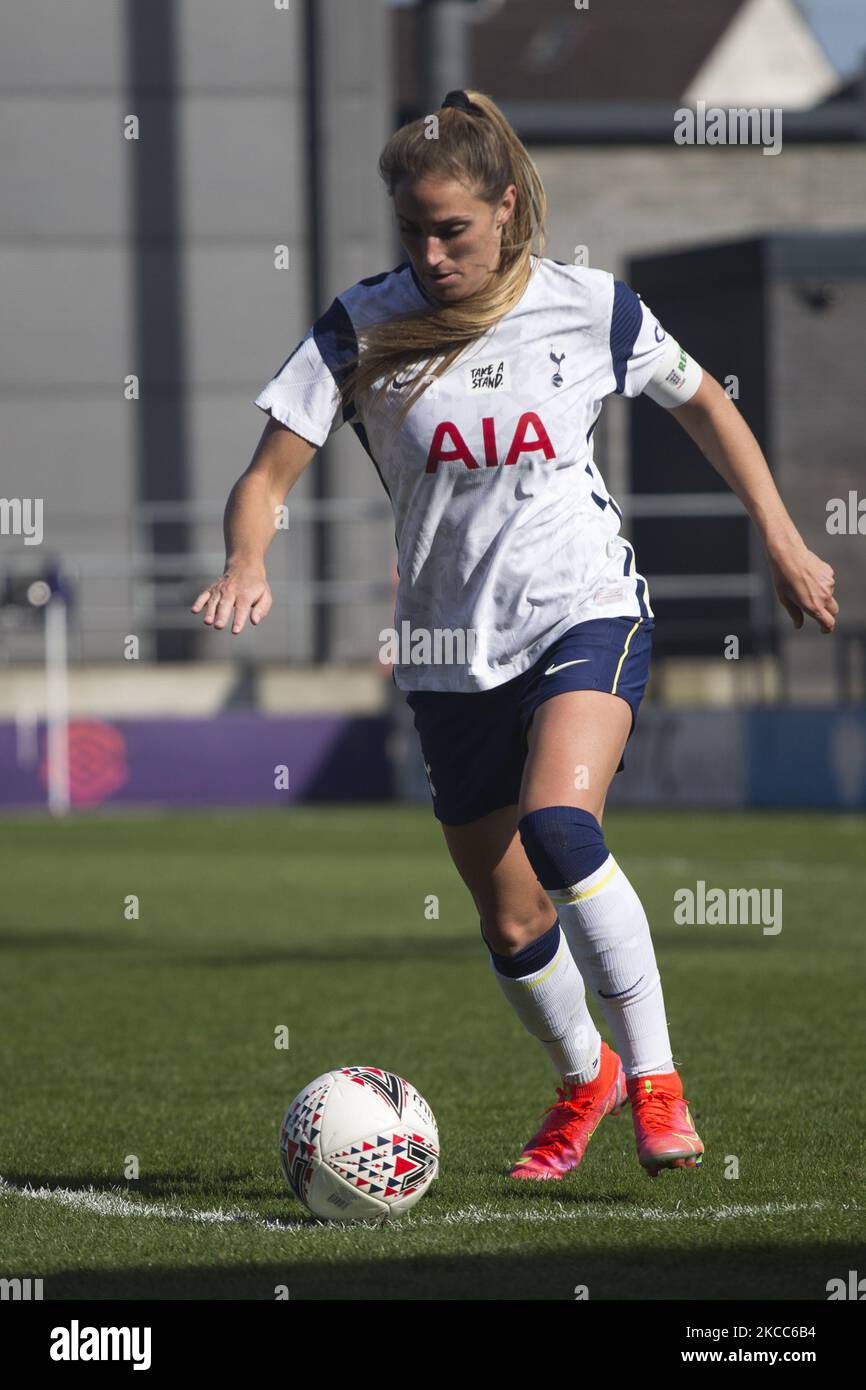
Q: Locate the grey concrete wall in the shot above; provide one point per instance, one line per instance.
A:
(67, 268)
(628, 201)
(66, 433)
(243, 160)
(624, 202)
(816, 374)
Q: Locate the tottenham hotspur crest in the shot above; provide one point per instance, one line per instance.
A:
(557, 375)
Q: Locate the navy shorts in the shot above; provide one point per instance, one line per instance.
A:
(474, 745)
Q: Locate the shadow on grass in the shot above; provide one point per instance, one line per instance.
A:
(414, 945)
(713, 1272)
(379, 950)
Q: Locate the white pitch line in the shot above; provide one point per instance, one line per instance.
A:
(115, 1203)
(727, 1212)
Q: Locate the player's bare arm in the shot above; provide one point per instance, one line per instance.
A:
(249, 526)
(803, 581)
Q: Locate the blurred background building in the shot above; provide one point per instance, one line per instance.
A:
(188, 183)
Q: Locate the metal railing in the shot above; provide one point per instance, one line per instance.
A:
(160, 586)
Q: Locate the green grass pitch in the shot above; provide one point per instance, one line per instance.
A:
(155, 1038)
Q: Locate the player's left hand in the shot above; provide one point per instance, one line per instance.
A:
(804, 583)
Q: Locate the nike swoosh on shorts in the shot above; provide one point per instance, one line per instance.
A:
(551, 670)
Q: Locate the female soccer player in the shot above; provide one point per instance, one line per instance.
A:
(474, 374)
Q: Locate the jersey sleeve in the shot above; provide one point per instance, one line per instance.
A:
(304, 394)
(646, 359)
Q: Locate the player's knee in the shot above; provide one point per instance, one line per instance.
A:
(506, 933)
(564, 844)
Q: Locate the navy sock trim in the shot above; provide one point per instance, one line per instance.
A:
(532, 958)
(564, 844)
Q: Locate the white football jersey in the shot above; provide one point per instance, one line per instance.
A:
(505, 530)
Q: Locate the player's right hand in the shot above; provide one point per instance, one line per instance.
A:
(246, 591)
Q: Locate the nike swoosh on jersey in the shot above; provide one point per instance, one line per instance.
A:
(551, 670)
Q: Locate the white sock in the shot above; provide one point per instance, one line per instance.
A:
(551, 1005)
(607, 930)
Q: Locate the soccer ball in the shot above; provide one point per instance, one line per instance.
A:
(359, 1143)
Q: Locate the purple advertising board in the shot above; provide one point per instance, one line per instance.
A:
(226, 760)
